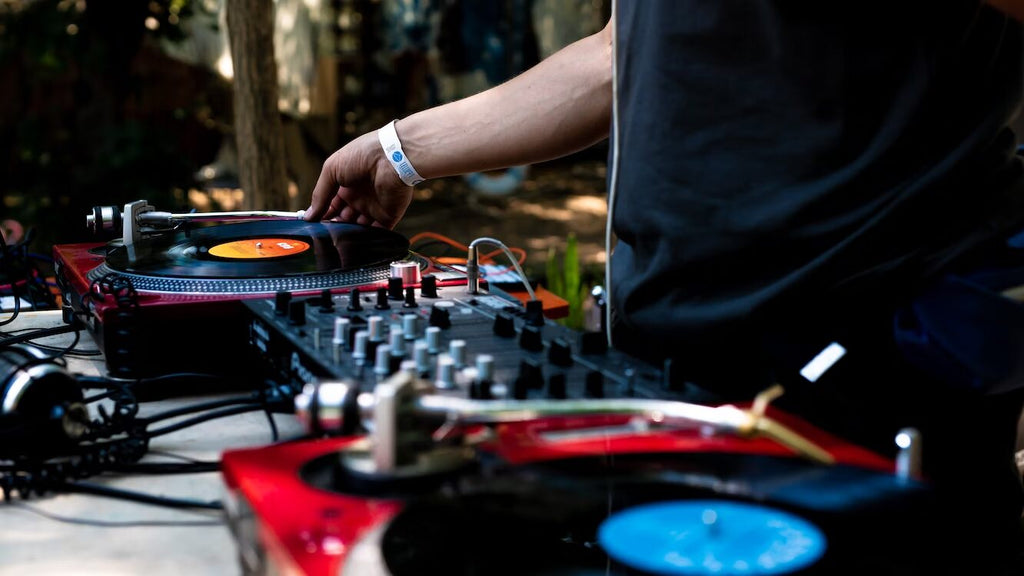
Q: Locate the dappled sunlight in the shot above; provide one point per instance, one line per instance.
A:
(591, 205)
(216, 199)
(568, 210)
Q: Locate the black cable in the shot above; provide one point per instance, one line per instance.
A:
(40, 333)
(210, 405)
(141, 497)
(204, 418)
(17, 310)
(181, 457)
(114, 524)
(166, 468)
(274, 436)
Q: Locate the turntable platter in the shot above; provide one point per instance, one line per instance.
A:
(257, 257)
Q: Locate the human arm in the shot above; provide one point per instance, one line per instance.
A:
(557, 107)
(1012, 8)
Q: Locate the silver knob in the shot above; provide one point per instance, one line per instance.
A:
(434, 340)
(382, 365)
(409, 326)
(359, 347)
(396, 338)
(445, 372)
(375, 324)
(421, 356)
(485, 367)
(457, 348)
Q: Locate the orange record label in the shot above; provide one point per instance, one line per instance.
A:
(259, 248)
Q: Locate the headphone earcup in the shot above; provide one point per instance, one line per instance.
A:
(41, 405)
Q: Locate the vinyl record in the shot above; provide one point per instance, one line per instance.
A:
(578, 517)
(264, 249)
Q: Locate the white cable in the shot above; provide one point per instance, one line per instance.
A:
(499, 244)
(613, 178)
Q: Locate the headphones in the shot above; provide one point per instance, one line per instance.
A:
(42, 408)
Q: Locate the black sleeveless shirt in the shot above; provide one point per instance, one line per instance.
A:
(774, 154)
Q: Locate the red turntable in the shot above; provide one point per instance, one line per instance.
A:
(166, 297)
(448, 485)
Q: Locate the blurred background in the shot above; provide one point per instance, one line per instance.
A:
(104, 101)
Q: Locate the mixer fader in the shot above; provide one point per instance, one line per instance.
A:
(484, 345)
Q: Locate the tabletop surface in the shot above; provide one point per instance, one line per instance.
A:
(84, 534)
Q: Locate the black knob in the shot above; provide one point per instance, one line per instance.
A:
(504, 325)
(594, 387)
(559, 353)
(530, 374)
(529, 339)
(593, 343)
(428, 286)
(481, 390)
(395, 289)
(297, 312)
(556, 386)
(281, 300)
(382, 299)
(353, 301)
(439, 317)
(535, 313)
(326, 302)
(520, 389)
(410, 298)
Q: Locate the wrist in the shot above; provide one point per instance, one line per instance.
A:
(395, 155)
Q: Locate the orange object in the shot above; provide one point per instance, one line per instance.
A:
(554, 306)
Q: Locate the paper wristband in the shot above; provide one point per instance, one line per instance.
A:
(392, 146)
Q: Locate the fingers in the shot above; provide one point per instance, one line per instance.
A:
(324, 192)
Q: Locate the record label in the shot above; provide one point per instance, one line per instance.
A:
(259, 248)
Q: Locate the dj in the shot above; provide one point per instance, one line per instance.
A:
(783, 176)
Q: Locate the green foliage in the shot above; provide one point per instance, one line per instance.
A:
(566, 282)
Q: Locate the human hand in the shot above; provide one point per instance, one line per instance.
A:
(358, 185)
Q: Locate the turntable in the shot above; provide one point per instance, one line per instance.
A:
(436, 484)
(166, 297)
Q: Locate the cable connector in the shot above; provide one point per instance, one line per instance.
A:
(472, 271)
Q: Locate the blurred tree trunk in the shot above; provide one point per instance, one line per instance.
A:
(258, 132)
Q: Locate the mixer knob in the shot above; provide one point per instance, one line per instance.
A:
(428, 286)
(360, 347)
(530, 375)
(410, 298)
(409, 326)
(559, 353)
(481, 390)
(445, 372)
(457, 349)
(556, 386)
(297, 312)
(504, 325)
(382, 299)
(326, 302)
(433, 336)
(395, 288)
(440, 317)
(529, 339)
(281, 301)
(422, 357)
(535, 313)
(594, 387)
(396, 339)
(593, 343)
(374, 325)
(485, 366)
(354, 305)
(382, 362)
